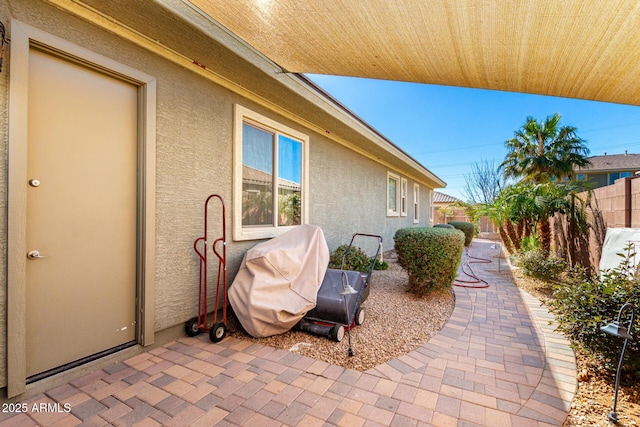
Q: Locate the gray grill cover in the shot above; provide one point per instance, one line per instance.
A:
(278, 281)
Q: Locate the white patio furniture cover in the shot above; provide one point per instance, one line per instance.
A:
(615, 241)
(278, 281)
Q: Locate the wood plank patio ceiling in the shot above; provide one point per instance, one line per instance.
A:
(586, 49)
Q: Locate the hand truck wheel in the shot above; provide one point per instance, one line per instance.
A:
(191, 327)
(217, 332)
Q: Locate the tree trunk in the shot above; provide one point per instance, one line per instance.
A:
(505, 239)
(544, 234)
(511, 231)
(527, 229)
(521, 227)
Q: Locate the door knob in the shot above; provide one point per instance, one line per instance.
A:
(35, 255)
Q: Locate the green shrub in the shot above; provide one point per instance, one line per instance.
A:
(585, 303)
(535, 264)
(356, 260)
(380, 265)
(467, 228)
(430, 255)
(530, 243)
(444, 226)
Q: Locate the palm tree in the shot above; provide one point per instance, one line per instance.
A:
(539, 152)
(520, 207)
(549, 199)
(575, 231)
(497, 213)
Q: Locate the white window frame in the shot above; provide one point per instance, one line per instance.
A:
(403, 196)
(396, 211)
(244, 115)
(416, 203)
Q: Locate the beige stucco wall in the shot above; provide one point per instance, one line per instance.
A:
(349, 195)
(194, 159)
(4, 125)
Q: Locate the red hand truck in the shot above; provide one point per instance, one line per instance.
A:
(200, 324)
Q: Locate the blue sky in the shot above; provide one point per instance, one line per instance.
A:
(448, 128)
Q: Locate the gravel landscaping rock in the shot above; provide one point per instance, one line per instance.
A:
(396, 322)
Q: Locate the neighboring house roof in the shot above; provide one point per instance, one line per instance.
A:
(453, 43)
(255, 176)
(613, 162)
(439, 197)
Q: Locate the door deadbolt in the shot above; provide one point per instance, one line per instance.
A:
(34, 182)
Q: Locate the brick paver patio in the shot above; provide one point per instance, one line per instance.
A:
(497, 362)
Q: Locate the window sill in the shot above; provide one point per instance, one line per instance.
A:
(259, 233)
